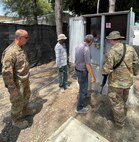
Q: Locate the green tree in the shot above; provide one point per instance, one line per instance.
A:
(87, 6)
(27, 9)
(79, 7)
(127, 4)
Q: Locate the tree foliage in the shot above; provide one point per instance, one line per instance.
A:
(80, 7)
(127, 4)
(32, 8)
(86, 6)
(26, 8)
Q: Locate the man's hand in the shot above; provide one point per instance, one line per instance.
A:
(14, 93)
(89, 68)
(93, 80)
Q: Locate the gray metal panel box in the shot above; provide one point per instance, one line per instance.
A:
(100, 25)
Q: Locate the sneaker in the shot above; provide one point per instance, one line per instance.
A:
(83, 110)
(69, 87)
(62, 90)
(22, 124)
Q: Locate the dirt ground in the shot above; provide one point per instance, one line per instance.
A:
(54, 108)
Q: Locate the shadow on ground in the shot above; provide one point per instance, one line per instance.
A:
(10, 133)
(100, 119)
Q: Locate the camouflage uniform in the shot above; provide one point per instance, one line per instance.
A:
(15, 72)
(120, 79)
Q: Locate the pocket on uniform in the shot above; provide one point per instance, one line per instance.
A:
(112, 97)
(16, 99)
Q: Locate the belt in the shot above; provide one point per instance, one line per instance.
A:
(78, 70)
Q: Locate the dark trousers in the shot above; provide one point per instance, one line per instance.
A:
(82, 77)
(62, 76)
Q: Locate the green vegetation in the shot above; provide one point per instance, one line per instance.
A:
(80, 7)
(30, 9)
(27, 9)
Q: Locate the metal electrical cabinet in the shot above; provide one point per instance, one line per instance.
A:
(100, 25)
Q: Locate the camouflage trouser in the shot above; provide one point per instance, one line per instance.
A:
(20, 102)
(118, 98)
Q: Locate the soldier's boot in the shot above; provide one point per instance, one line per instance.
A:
(28, 111)
(119, 125)
(3, 138)
(22, 124)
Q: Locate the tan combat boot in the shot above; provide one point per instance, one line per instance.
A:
(22, 124)
(119, 126)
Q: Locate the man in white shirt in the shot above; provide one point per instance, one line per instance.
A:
(61, 61)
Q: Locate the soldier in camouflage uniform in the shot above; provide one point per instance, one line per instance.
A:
(120, 79)
(15, 72)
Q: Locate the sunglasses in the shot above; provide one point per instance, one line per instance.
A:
(26, 37)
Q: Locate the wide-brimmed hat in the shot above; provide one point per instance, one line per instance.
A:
(114, 35)
(61, 36)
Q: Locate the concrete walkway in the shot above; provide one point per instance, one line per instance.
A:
(75, 131)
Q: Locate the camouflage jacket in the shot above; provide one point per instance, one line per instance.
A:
(122, 76)
(15, 67)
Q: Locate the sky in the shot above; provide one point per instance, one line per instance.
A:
(1, 10)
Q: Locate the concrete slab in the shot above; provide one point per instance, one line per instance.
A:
(75, 131)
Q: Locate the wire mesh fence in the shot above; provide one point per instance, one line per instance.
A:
(41, 43)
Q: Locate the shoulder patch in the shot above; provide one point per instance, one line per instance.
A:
(7, 63)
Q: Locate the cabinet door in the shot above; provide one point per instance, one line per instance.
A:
(76, 35)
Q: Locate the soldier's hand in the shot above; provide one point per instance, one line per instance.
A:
(14, 92)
